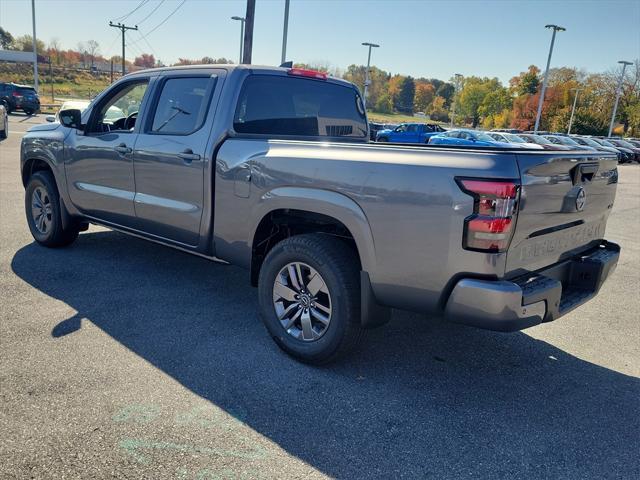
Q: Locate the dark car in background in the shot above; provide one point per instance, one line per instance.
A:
(19, 97)
(618, 142)
(564, 140)
(592, 143)
(626, 154)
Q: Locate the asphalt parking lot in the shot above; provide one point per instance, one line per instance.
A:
(125, 359)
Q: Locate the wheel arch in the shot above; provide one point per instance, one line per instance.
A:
(319, 211)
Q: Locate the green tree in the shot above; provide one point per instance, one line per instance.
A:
(526, 83)
(404, 101)
(472, 96)
(25, 44)
(384, 104)
(6, 39)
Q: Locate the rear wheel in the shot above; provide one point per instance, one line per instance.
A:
(42, 207)
(309, 294)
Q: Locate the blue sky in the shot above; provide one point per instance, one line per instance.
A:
(417, 37)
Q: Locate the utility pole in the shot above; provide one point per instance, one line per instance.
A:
(123, 28)
(618, 93)
(367, 81)
(111, 70)
(573, 109)
(458, 76)
(248, 31)
(285, 30)
(35, 49)
(555, 28)
(241, 20)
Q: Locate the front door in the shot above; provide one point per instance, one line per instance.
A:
(170, 157)
(99, 160)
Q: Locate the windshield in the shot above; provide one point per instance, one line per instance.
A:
(590, 142)
(624, 143)
(27, 91)
(484, 137)
(539, 139)
(605, 143)
(514, 138)
(567, 141)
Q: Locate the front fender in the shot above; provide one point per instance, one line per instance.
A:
(325, 202)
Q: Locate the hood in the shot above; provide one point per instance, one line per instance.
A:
(45, 127)
(384, 130)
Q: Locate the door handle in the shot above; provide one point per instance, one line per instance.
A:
(123, 149)
(189, 156)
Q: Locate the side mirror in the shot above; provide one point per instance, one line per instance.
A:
(71, 118)
(50, 118)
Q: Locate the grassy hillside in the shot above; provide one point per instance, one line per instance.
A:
(67, 83)
(396, 118)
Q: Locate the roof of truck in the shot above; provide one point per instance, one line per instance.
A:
(231, 67)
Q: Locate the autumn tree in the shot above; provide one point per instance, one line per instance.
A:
(425, 93)
(146, 60)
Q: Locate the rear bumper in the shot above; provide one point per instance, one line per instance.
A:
(537, 297)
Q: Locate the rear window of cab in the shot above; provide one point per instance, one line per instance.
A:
(288, 106)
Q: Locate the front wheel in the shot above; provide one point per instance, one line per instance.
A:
(383, 140)
(309, 294)
(42, 206)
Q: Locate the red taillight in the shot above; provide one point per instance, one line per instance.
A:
(303, 72)
(16, 94)
(490, 227)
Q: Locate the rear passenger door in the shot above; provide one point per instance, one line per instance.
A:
(171, 154)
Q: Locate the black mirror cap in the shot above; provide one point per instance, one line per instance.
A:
(71, 118)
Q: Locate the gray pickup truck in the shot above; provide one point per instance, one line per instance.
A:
(271, 169)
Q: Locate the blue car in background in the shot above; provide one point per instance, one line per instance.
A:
(467, 137)
(409, 133)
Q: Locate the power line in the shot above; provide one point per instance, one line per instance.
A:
(123, 17)
(152, 12)
(123, 28)
(163, 21)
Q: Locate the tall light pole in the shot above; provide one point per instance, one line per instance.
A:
(285, 30)
(555, 29)
(458, 76)
(241, 20)
(618, 93)
(573, 109)
(35, 49)
(366, 73)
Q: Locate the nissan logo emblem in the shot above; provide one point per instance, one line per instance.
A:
(581, 199)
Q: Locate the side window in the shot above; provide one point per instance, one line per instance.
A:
(401, 128)
(182, 105)
(286, 105)
(412, 128)
(119, 111)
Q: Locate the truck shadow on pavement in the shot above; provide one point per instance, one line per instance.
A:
(420, 399)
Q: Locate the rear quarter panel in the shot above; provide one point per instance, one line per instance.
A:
(413, 208)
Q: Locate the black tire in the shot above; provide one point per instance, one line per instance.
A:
(337, 265)
(3, 133)
(55, 235)
(382, 140)
(29, 112)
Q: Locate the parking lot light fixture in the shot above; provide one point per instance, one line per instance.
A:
(618, 93)
(573, 109)
(241, 20)
(555, 28)
(366, 73)
(458, 77)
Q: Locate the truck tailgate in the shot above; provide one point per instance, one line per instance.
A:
(565, 201)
